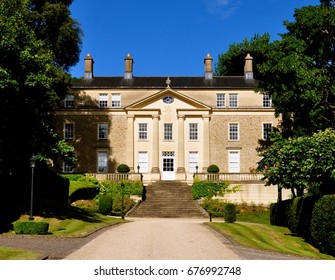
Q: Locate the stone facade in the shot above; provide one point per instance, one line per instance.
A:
(169, 127)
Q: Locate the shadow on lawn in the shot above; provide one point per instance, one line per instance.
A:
(64, 212)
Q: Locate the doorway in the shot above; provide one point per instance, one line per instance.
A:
(168, 166)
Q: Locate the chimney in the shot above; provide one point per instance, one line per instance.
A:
(128, 74)
(248, 73)
(88, 67)
(208, 67)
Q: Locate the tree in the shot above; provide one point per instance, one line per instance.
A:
(298, 74)
(301, 163)
(298, 71)
(53, 25)
(231, 63)
(32, 78)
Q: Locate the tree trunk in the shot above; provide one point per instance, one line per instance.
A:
(280, 195)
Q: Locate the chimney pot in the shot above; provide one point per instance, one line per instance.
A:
(208, 67)
(129, 61)
(248, 72)
(88, 72)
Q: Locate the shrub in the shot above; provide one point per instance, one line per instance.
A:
(130, 188)
(307, 205)
(279, 213)
(323, 224)
(117, 205)
(294, 214)
(213, 169)
(208, 189)
(123, 168)
(213, 206)
(229, 213)
(79, 181)
(31, 227)
(106, 204)
(84, 193)
(115, 191)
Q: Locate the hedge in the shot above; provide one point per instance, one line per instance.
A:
(84, 193)
(31, 227)
(310, 218)
(323, 224)
(294, 214)
(279, 213)
(306, 211)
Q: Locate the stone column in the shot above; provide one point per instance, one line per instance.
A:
(155, 145)
(130, 142)
(206, 156)
(181, 148)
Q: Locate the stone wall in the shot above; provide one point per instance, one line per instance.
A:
(256, 193)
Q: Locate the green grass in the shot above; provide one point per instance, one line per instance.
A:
(255, 231)
(77, 223)
(79, 228)
(257, 217)
(65, 222)
(17, 254)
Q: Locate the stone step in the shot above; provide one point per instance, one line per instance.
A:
(169, 199)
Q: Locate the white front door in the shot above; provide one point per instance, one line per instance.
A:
(234, 161)
(168, 166)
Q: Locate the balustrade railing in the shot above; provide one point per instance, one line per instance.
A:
(230, 177)
(117, 176)
(213, 177)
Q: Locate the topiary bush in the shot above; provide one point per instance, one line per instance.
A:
(229, 213)
(279, 213)
(323, 224)
(31, 227)
(123, 168)
(294, 214)
(213, 169)
(305, 218)
(106, 204)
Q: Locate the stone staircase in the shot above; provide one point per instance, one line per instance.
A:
(169, 199)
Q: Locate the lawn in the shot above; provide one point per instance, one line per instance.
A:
(72, 222)
(17, 254)
(254, 230)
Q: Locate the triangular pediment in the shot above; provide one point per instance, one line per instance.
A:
(156, 100)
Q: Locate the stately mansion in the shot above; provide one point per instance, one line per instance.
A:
(166, 128)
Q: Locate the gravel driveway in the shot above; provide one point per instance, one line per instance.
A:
(166, 239)
(143, 239)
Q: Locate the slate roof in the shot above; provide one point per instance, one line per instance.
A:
(222, 82)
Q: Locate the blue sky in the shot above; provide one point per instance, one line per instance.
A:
(172, 38)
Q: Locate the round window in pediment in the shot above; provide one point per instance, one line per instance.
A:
(168, 99)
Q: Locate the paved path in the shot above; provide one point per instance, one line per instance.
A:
(166, 239)
(157, 239)
(144, 239)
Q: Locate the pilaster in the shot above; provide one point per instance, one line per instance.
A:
(206, 155)
(155, 145)
(181, 172)
(130, 142)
